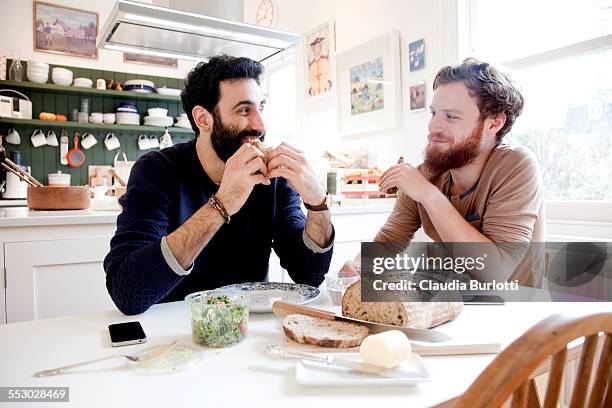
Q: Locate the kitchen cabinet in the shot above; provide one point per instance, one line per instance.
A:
(52, 263)
(55, 278)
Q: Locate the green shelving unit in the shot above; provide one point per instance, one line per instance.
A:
(63, 99)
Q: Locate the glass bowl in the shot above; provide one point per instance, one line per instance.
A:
(218, 318)
(336, 287)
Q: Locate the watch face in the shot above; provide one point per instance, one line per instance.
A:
(265, 13)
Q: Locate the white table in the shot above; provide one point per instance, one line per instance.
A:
(243, 375)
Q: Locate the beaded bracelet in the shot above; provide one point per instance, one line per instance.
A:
(216, 204)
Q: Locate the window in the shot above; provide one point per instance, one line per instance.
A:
(560, 54)
(280, 110)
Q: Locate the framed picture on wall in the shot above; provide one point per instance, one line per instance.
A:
(319, 47)
(150, 59)
(369, 86)
(417, 97)
(65, 30)
(416, 55)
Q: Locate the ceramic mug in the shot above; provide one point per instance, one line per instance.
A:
(13, 137)
(38, 138)
(143, 142)
(111, 142)
(88, 140)
(52, 138)
(153, 142)
(101, 84)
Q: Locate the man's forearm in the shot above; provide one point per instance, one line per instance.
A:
(319, 227)
(188, 240)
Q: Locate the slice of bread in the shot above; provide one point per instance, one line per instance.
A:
(326, 333)
(418, 315)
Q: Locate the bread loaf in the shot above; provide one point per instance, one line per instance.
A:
(326, 333)
(418, 315)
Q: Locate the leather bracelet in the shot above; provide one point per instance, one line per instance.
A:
(216, 204)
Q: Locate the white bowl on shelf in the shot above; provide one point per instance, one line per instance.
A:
(157, 112)
(38, 65)
(37, 77)
(183, 124)
(38, 70)
(139, 82)
(60, 70)
(168, 91)
(109, 118)
(127, 118)
(158, 121)
(83, 82)
(61, 79)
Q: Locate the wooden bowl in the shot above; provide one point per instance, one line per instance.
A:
(59, 198)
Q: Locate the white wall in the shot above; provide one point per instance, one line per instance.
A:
(17, 34)
(357, 21)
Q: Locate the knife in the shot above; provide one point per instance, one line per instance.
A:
(282, 309)
(333, 361)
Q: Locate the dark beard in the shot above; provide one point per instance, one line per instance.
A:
(226, 140)
(437, 162)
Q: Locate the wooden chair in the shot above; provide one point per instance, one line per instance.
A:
(541, 349)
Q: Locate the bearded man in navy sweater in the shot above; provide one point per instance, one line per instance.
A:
(207, 213)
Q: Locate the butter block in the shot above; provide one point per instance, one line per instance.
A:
(387, 349)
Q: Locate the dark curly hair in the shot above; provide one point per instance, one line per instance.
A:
(202, 84)
(495, 91)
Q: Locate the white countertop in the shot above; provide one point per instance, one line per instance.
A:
(13, 203)
(242, 375)
(24, 217)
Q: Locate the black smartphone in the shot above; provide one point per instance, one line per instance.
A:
(124, 334)
(482, 300)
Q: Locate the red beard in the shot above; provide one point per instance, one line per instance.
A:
(437, 162)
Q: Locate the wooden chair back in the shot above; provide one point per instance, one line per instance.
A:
(512, 372)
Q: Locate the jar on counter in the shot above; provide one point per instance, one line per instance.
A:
(58, 179)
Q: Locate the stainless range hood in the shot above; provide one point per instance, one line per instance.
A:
(160, 31)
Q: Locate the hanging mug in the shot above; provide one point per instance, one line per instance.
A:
(153, 142)
(38, 138)
(143, 142)
(13, 137)
(88, 140)
(111, 142)
(52, 138)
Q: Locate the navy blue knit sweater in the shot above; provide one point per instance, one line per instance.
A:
(165, 188)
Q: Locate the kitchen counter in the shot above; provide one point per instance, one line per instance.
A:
(242, 375)
(24, 217)
(13, 203)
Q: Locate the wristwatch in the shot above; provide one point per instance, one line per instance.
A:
(324, 206)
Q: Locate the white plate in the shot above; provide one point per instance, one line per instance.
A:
(262, 295)
(412, 372)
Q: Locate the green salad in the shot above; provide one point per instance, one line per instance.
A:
(218, 321)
